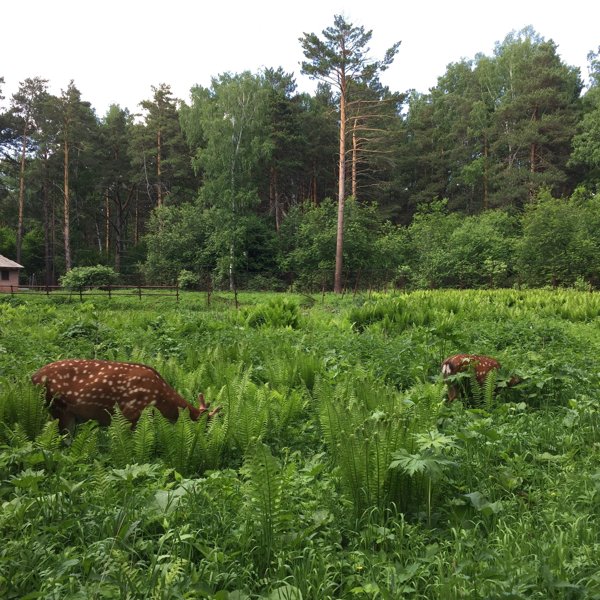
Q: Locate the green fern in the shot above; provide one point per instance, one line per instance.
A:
(331, 416)
(263, 487)
(119, 435)
(181, 442)
(476, 388)
(279, 312)
(364, 424)
(144, 437)
(284, 410)
(489, 390)
(31, 408)
(4, 402)
(85, 444)
(246, 411)
(308, 367)
(49, 438)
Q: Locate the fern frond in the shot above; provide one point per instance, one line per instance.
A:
(49, 439)
(263, 491)
(85, 443)
(30, 407)
(180, 442)
(119, 435)
(489, 389)
(214, 443)
(476, 389)
(144, 437)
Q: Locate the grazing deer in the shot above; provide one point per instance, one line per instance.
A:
(481, 365)
(83, 390)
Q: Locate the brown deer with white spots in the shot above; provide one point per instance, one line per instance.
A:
(83, 390)
(481, 365)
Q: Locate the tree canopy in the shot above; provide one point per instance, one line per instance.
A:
(489, 178)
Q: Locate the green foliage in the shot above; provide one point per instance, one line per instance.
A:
(277, 313)
(264, 485)
(363, 428)
(333, 451)
(86, 443)
(7, 242)
(23, 404)
(430, 235)
(144, 438)
(560, 242)
(119, 434)
(309, 236)
(187, 280)
(177, 240)
(83, 277)
(481, 250)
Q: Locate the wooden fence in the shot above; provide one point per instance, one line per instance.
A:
(109, 291)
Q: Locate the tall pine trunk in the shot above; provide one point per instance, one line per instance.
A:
(21, 195)
(159, 196)
(339, 245)
(48, 248)
(354, 160)
(66, 209)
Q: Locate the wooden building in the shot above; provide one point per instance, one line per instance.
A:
(9, 274)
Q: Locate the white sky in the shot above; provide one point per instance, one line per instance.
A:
(115, 50)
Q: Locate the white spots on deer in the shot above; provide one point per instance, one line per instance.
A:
(460, 363)
(89, 389)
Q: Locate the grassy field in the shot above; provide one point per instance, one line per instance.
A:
(335, 468)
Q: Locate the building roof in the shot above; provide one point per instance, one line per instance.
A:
(6, 263)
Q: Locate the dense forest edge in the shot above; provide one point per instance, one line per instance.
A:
(488, 180)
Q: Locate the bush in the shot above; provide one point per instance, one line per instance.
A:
(84, 277)
(187, 280)
(276, 313)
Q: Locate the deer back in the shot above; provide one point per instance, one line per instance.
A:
(480, 364)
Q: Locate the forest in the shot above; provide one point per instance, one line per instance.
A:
(339, 460)
(488, 179)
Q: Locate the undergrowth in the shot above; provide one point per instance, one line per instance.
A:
(335, 468)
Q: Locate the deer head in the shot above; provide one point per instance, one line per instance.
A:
(82, 390)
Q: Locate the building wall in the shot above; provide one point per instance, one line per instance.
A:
(8, 278)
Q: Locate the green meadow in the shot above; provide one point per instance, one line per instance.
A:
(335, 468)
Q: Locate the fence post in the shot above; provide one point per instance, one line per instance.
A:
(356, 284)
(109, 291)
(140, 292)
(177, 292)
(208, 289)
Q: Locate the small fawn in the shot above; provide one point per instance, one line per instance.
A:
(83, 390)
(480, 364)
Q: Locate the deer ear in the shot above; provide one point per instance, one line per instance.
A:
(201, 402)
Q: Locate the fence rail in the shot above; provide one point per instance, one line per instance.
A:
(103, 290)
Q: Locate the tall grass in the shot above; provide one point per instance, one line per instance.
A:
(334, 469)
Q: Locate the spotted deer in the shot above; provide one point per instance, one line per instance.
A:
(83, 390)
(481, 365)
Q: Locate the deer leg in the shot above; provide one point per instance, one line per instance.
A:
(452, 392)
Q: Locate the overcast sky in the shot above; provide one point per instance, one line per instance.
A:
(115, 50)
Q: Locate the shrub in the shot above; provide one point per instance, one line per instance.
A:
(81, 277)
(187, 280)
(276, 313)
